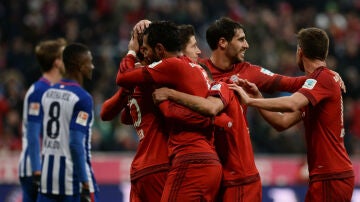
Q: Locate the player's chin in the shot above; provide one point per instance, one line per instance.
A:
(241, 57)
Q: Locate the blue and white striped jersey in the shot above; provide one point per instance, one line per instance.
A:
(31, 112)
(67, 107)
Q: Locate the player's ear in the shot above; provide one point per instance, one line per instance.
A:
(299, 51)
(160, 49)
(222, 43)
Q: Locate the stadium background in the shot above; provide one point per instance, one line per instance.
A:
(104, 26)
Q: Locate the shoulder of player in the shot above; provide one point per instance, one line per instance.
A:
(247, 65)
(173, 62)
(176, 60)
(323, 75)
(37, 88)
(68, 91)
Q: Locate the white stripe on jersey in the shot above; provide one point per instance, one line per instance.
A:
(56, 171)
(24, 162)
(58, 106)
(44, 174)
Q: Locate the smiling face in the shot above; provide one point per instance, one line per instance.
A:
(236, 48)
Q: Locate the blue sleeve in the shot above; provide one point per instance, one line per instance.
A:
(33, 134)
(82, 114)
(78, 154)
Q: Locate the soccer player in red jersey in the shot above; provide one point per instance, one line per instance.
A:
(195, 172)
(188, 42)
(227, 41)
(319, 104)
(141, 110)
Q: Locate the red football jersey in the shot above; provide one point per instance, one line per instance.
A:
(151, 154)
(182, 75)
(324, 126)
(234, 148)
(264, 79)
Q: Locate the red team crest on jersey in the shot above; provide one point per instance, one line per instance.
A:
(82, 118)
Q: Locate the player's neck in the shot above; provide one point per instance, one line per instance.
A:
(220, 62)
(311, 65)
(52, 76)
(76, 77)
(171, 54)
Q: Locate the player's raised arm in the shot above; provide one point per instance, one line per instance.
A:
(113, 106)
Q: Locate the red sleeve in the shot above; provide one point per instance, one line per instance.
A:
(114, 105)
(268, 81)
(135, 77)
(127, 63)
(221, 90)
(319, 88)
(289, 84)
(181, 115)
(164, 71)
(158, 72)
(128, 75)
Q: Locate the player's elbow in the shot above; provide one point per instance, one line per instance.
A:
(290, 107)
(118, 80)
(104, 116)
(280, 122)
(213, 111)
(214, 108)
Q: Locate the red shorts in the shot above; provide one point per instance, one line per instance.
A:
(242, 193)
(337, 190)
(194, 180)
(148, 188)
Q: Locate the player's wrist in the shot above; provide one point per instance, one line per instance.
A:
(85, 185)
(131, 52)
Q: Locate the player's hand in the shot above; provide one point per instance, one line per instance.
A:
(36, 181)
(161, 94)
(134, 43)
(141, 26)
(250, 88)
(85, 195)
(243, 96)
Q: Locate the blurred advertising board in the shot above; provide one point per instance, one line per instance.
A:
(284, 178)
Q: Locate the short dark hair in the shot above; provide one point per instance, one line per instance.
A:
(139, 54)
(72, 56)
(165, 33)
(186, 31)
(223, 27)
(314, 43)
(48, 51)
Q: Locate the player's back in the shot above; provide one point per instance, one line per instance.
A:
(324, 127)
(66, 106)
(181, 74)
(151, 155)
